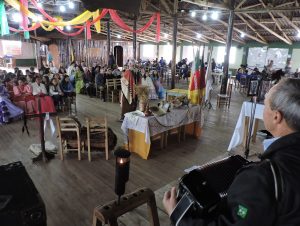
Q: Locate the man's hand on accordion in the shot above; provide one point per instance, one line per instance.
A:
(170, 201)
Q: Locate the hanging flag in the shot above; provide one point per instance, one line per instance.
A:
(197, 81)
(3, 20)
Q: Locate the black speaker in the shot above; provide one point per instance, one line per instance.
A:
(122, 5)
(20, 202)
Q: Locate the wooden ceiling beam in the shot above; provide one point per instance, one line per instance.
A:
(208, 4)
(166, 6)
(263, 40)
(240, 4)
(289, 21)
(276, 22)
(268, 29)
(240, 31)
(268, 9)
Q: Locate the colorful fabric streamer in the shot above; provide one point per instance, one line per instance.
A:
(58, 24)
(3, 20)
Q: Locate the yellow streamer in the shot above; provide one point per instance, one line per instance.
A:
(82, 18)
(97, 24)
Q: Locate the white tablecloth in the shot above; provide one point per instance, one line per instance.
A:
(237, 137)
(152, 125)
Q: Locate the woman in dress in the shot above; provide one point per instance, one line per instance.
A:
(147, 81)
(23, 97)
(79, 79)
(158, 86)
(56, 93)
(8, 111)
(40, 92)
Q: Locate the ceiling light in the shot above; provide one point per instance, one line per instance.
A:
(118, 36)
(204, 17)
(16, 17)
(215, 15)
(242, 35)
(298, 35)
(69, 28)
(166, 35)
(38, 18)
(71, 5)
(193, 13)
(40, 5)
(182, 10)
(62, 8)
(199, 35)
(168, 43)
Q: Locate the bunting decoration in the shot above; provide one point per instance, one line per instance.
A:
(3, 20)
(80, 22)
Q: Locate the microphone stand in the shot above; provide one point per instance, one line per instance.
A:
(250, 130)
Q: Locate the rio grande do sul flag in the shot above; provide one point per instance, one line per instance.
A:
(197, 81)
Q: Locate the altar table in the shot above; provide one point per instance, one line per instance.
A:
(139, 129)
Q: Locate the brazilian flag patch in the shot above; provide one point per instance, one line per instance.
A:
(242, 212)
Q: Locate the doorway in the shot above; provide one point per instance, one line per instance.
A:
(118, 53)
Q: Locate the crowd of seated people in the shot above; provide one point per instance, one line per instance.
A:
(51, 85)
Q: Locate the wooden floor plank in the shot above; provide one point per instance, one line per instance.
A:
(71, 188)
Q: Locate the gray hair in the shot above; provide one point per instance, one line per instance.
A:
(286, 99)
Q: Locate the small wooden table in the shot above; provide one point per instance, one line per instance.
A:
(175, 93)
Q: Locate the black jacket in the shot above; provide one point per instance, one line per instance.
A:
(251, 197)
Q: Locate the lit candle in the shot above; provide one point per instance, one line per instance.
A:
(122, 170)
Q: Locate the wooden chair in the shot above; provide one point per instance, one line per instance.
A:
(110, 86)
(160, 137)
(243, 83)
(176, 131)
(70, 104)
(115, 92)
(69, 135)
(97, 135)
(224, 99)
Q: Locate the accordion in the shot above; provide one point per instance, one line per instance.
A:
(201, 192)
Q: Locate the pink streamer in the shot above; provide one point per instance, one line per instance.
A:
(157, 27)
(88, 30)
(116, 18)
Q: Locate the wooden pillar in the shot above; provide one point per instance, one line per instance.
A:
(245, 55)
(181, 50)
(108, 40)
(175, 20)
(157, 50)
(139, 51)
(37, 54)
(228, 46)
(134, 39)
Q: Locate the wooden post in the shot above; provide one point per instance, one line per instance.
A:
(139, 51)
(228, 46)
(157, 50)
(42, 134)
(134, 39)
(108, 39)
(175, 20)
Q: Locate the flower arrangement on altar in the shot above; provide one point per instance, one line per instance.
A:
(143, 96)
(142, 92)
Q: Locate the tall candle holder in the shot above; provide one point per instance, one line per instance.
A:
(122, 171)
